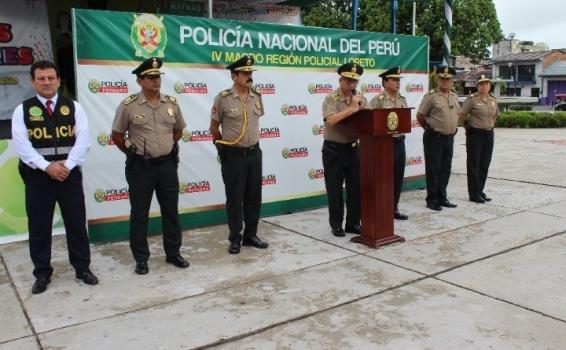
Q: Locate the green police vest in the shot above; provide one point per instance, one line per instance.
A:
(51, 136)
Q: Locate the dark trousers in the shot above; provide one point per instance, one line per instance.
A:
(341, 164)
(143, 179)
(242, 175)
(479, 149)
(41, 193)
(438, 151)
(399, 156)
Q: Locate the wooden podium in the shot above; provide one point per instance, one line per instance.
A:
(375, 129)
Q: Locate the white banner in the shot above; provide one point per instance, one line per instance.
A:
(292, 132)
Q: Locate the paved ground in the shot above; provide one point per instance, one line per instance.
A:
(475, 277)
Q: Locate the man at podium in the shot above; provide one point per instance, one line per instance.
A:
(340, 154)
(391, 98)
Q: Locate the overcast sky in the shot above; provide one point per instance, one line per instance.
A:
(540, 20)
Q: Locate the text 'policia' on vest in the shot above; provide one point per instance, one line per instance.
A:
(52, 135)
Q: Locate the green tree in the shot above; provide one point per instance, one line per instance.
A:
(474, 23)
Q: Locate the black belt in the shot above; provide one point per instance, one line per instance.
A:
(399, 138)
(437, 134)
(333, 144)
(156, 160)
(478, 130)
(240, 150)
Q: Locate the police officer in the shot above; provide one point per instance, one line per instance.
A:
(391, 98)
(50, 134)
(479, 112)
(438, 115)
(340, 156)
(237, 111)
(154, 123)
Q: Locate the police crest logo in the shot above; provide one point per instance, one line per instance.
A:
(183, 187)
(178, 87)
(148, 36)
(392, 121)
(285, 153)
(99, 195)
(64, 110)
(312, 174)
(94, 86)
(285, 109)
(35, 111)
(312, 88)
(186, 137)
(103, 139)
(316, 129)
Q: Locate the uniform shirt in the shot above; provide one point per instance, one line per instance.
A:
(441, 112)
(383, 100)
(482, 113)
(29, 155)
(228, 110)
(152, 126)
(336, 102)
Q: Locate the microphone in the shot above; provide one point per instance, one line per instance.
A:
(354, 93)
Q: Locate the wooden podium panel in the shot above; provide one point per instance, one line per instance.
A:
(375, 129)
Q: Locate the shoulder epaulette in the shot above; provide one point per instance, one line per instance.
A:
(403, 97)
(226, 92)
(171, 99)
(431, 92)
(255, 90)
(130, 99)
(381, 96)
(335, 97)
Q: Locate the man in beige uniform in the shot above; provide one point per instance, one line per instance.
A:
(154, 123)
(237, 111)
(391, 98)
(340, 156)
(478, 115)
(438, 115)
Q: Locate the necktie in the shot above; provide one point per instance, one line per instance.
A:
(49, 108)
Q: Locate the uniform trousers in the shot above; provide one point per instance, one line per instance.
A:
(438, 152)
(341, 164)
(242, 174)
(479, 149)
(144, 177)
(41, 194)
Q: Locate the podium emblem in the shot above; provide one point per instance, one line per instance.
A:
(392, 121)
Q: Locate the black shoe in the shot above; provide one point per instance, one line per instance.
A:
(355, 229)
(40, 285)
(485, 197)
(447, 204)
(338, 232)
(142, 268)
(477, 200)
(87, 277)
(177, 261)
(234, 247)
(399, 216)
(255, 242)
(434, 206)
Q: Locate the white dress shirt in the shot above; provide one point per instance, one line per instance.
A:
(28, 154)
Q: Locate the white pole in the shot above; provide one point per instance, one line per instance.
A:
(414, 16)
(209, 8)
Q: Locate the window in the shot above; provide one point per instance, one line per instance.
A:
(505, 72)
(526, 72)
